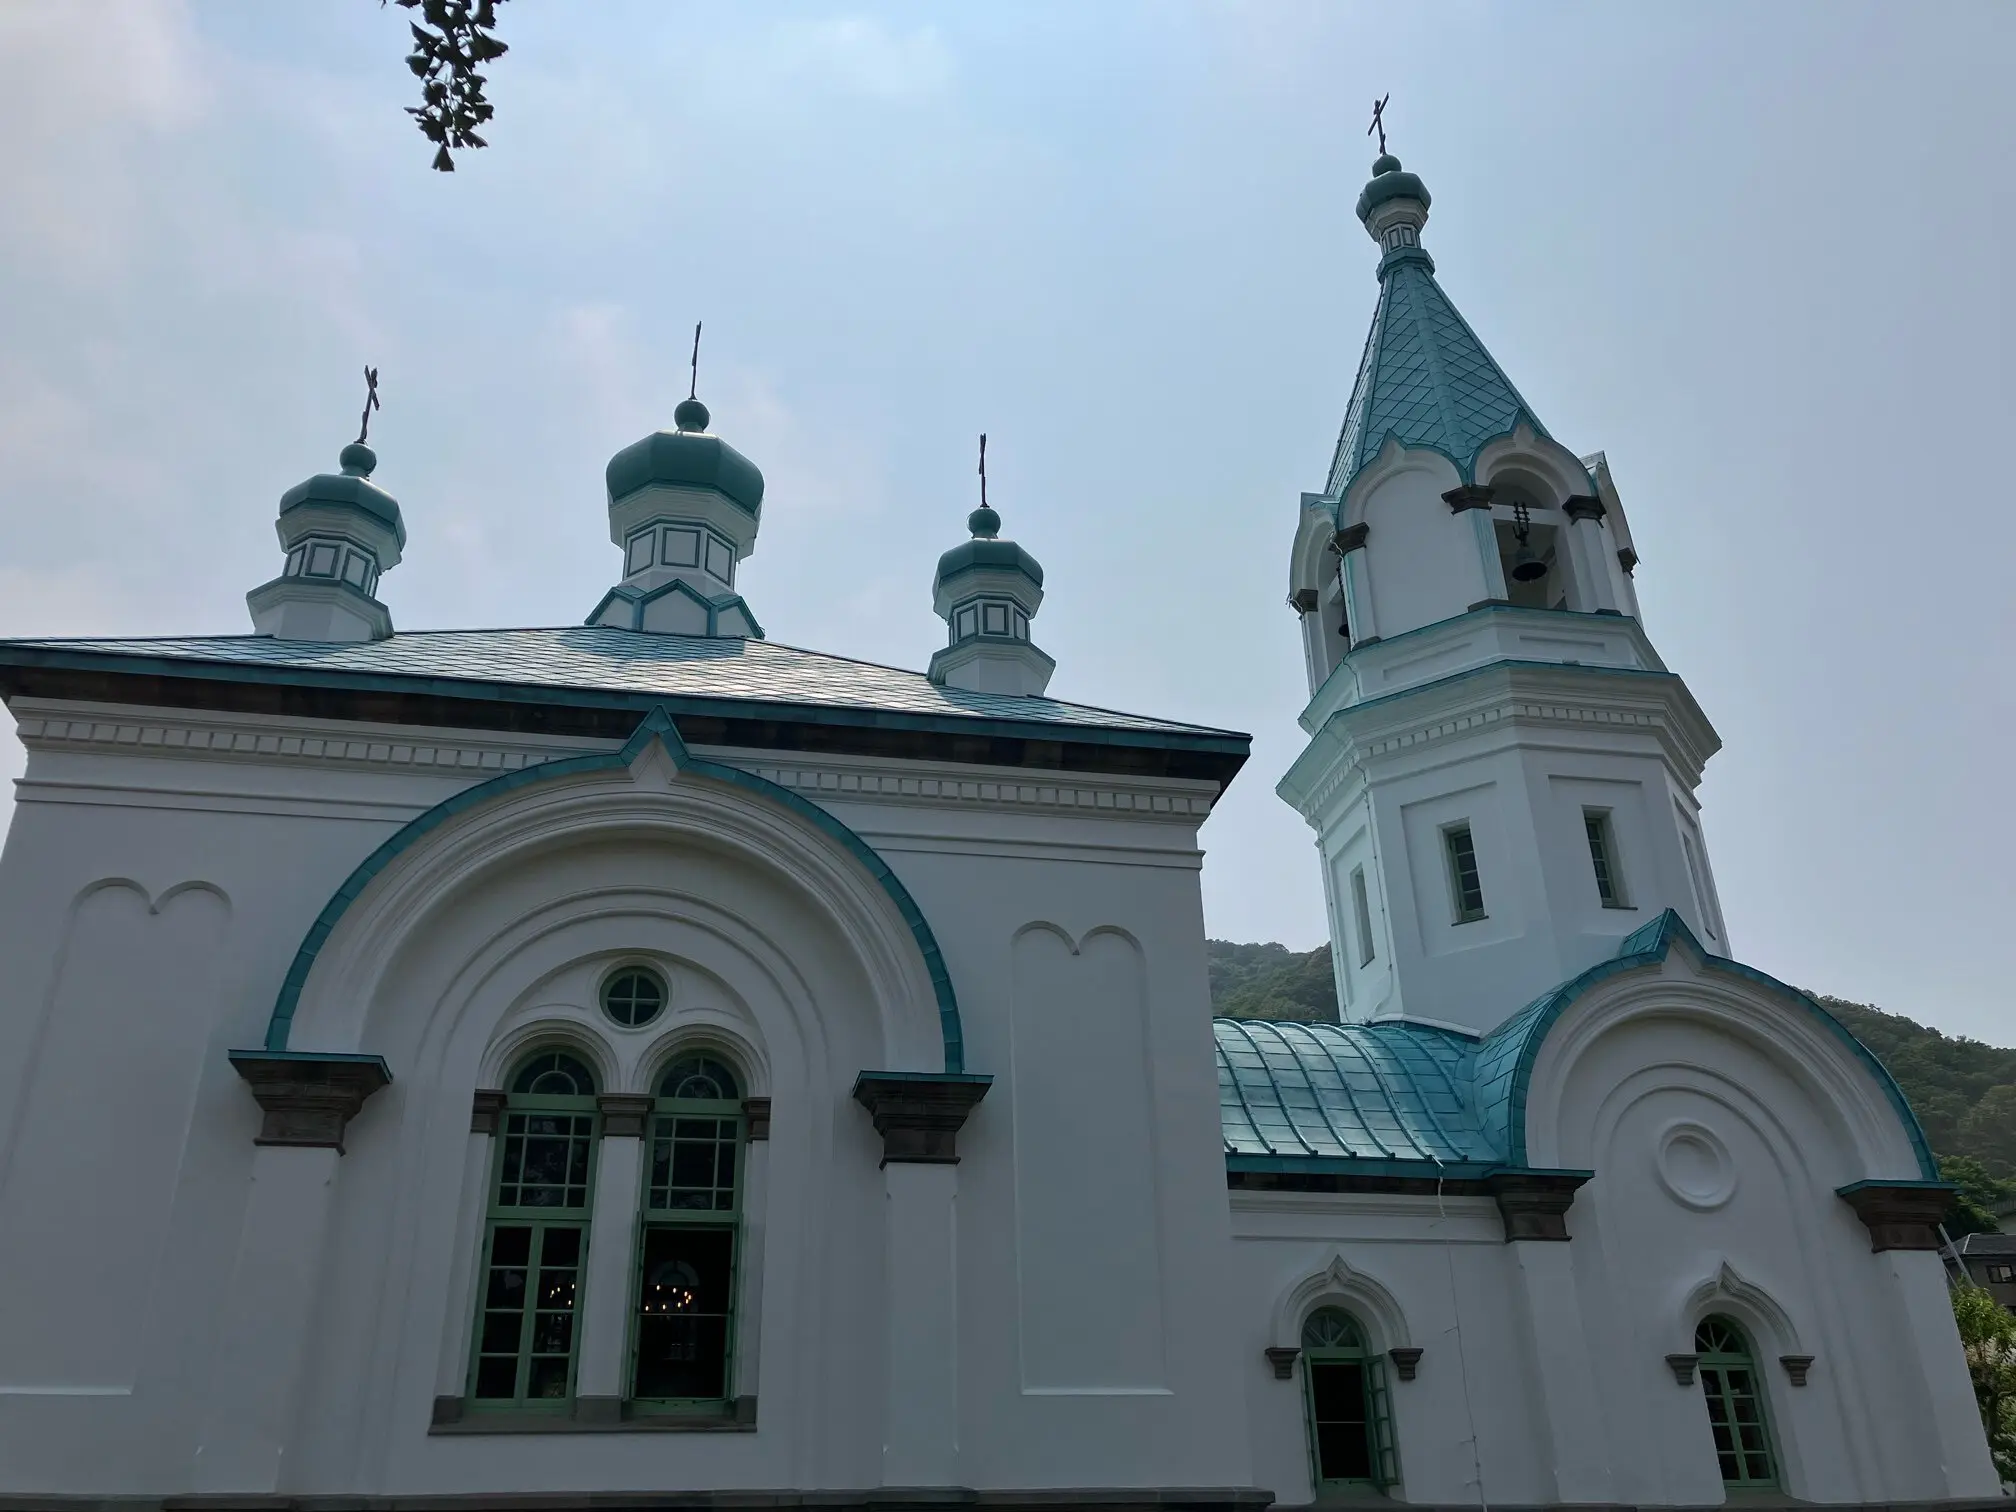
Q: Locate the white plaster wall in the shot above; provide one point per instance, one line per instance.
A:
(1433, 1274)
(149, 906)
(1070, 918)
(1522, 791)
(1771, 1116)
(1422, 559)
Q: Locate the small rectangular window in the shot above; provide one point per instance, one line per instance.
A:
(2001, 1275)
(1700, 881)
(1362, 907)
(1466, 887)
(1603, 857)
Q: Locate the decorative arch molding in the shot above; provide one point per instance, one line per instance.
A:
(656, 729)
(1075, 946)
(155, 901)
(716, 1034)
(1838, 1068)
(1342, 1285)
(1724, 1290)
(1393, 459)
(546, 1032)
(1533, 453)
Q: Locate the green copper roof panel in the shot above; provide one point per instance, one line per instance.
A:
(599, 660)
(1424, 379)
(1385, 1091)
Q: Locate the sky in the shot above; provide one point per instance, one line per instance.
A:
(1757, 254)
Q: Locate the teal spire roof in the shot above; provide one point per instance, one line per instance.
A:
(1425, 378)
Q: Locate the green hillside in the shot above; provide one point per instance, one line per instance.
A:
(1963, 1091)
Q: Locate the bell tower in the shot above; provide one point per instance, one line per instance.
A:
(1500, 769)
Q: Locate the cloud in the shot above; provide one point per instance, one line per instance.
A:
(82, 89)
(854, 55)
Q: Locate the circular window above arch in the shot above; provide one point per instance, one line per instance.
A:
(633, 996)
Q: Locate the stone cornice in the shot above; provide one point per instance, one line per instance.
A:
(932, 786)
(116, 730)
(1503, 697)
(113, 730)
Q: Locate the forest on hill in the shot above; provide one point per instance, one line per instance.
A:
(1964, 1092)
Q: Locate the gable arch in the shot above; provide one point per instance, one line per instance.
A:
(1724, 1290)
(1340, 1284)
(478, 827)
(1524, 1064)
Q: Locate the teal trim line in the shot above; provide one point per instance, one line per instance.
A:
(361, 667)
(936, 1078)
(270, 1056)
(1504, 1063)
(656, 725)
(1412, 1170)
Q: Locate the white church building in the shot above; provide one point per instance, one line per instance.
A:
(639, 1065)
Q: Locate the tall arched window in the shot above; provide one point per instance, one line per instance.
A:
(536, 1237)
(1735, 1403)
(1350, 1409)
(684, 1332)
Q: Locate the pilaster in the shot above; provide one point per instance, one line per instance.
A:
(603, 1314)
(919, 1116)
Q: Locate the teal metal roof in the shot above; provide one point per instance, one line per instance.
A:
(622, 667)
(1425, 379)
(1386, 1091)
(1395, 1091)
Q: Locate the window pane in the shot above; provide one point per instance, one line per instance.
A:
(497, 1378)
(683, 1307)
(1337, 1402)
(1469, 887)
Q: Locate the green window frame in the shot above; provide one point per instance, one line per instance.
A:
(1602, 838)
(535, 1238)
(689, 1240)
(1349, 1405)
(1466, 884)
(1737, 1413)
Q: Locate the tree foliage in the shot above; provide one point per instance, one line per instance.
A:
(1988, 1335)
(452, 41)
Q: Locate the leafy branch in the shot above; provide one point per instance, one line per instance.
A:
(451, 42)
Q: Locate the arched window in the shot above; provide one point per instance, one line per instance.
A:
(1350, 1409)
(536, 1237)
(687, 1252)
(1735, 1403)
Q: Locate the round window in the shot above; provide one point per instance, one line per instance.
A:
(633, 997)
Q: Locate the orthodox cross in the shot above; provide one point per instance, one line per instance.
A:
(983, 469)
(1379, 122)
(694, 391)
(370, 403)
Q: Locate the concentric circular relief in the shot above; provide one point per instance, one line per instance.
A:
(1694, 1166)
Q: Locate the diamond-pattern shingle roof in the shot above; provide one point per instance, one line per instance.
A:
(1425, 379)
(596, 659)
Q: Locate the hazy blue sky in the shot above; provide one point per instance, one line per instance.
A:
(1761, 254)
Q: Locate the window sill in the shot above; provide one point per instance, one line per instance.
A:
(1622, 907)
(591, 1415)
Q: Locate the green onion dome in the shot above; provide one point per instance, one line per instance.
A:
(686, 458)
(1390, 182)
(351, 488)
